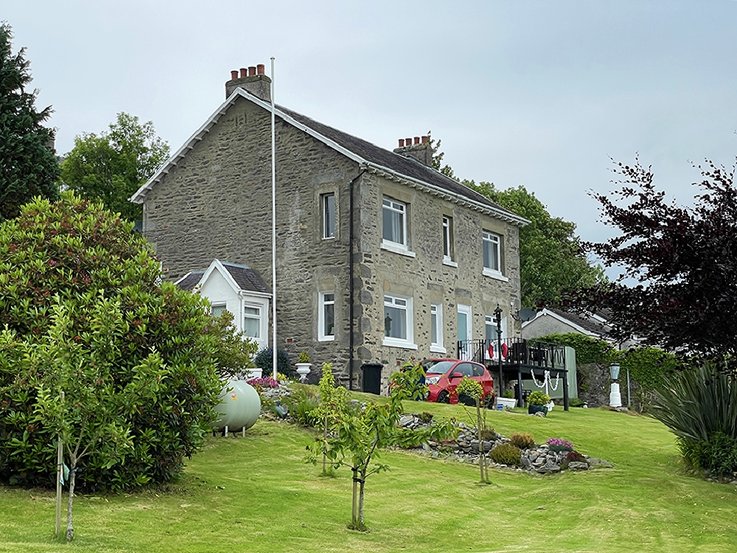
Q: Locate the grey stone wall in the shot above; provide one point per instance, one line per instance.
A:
(424, 277)
(216, 203)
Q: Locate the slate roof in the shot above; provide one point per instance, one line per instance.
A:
(190, 280)
(396, 162)
(245, 278)
(357, 149)
(587, 323)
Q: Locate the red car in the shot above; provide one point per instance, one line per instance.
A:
(443, 375)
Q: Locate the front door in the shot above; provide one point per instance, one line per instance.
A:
(465, 332)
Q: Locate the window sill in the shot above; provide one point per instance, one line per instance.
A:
(328, 237)
(496, 275)
(438, 349)
(326, 338)
(450, 262)
(397, 248)
(397, 343)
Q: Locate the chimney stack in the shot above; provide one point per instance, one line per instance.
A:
(252, 79)
(417, 148)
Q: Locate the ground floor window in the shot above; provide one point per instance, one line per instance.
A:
(398, 321)
(326, 317)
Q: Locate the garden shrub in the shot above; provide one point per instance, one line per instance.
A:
(699, 405)
(506, 454)
(717, 455)
(522, 440)
(425, 417)
(303, 406)
(72, 253)
(409, 382)
(265, 360)
(572, 457)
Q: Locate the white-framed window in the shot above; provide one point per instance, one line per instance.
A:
(252, 321)
(217, 309)
(447, 239)
(492, 246)
(398, 322)
(326, 317)
(394, 218)
(436, 329)
(327, 214)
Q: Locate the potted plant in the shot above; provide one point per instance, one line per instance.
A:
(537, 402)
(303, 365)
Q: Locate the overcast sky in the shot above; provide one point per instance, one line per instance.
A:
(538, 93)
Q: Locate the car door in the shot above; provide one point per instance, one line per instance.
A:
(481, 375)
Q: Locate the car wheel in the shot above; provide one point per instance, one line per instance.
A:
(444, 397)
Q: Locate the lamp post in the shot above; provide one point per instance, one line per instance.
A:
(615, 398)
(498, 320)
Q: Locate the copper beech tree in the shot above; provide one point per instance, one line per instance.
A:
(678, 287)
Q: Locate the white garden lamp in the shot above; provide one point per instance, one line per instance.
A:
(615, 398)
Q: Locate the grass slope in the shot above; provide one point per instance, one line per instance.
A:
(256, 494)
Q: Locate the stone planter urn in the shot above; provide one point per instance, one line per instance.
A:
(303, 369)
(533, 409)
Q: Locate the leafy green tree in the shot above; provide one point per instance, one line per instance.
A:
(359, 434)
(551, 258)
(28, 165)
(333, 405)
(111, 166)
(473, 389)
(75, 252)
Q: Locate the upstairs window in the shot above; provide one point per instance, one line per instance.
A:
(492, 252)
(327, 210)
(447, 239)
(394, 222)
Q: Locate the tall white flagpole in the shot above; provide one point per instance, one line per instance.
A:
(273, 230)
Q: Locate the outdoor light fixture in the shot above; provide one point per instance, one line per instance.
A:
(615, 398)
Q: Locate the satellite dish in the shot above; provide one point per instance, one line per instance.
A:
(527, 314)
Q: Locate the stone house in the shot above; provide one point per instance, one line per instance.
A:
(380, 258)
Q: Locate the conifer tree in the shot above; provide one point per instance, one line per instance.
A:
(28, 165)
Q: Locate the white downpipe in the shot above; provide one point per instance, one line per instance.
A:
(273, 231)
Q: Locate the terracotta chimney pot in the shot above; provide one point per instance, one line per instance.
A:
(252, 71)
(260, 69)
(244, 72)
(233, 74)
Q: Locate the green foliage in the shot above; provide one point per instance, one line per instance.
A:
(303, 357)
(588, 349)
(717, 455)
(28, 166)
(72, 257)
(522, 440)
(303, 405)
(538, 398)
(506, 454)
(236, 351)
(699, 405)
(649, 367)
(552, 262)
(265, 360)
(425, 417)
(112, 166)
(472, 389)
(409, 382)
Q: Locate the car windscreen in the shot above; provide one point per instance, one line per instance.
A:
(441, 367)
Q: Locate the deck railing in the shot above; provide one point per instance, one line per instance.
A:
(514, 351)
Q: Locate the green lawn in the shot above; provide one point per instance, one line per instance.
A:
(256, 494)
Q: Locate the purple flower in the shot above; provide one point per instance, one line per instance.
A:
(560, 443)
(264, 382)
